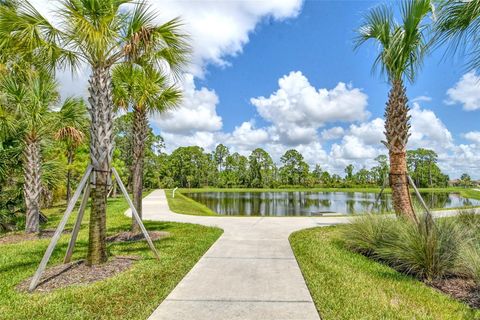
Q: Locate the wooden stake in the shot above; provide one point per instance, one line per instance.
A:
(419, 196)
(78, 222)
(134, 213)
(58, 232)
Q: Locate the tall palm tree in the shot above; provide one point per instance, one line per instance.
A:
(147, 91)
(72, 121)
(458, 22)
(100, 33)
(28, 98)
(402, 49)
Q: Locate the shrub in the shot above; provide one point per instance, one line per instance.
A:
(424, 250)
(470, 262)
(366, 234)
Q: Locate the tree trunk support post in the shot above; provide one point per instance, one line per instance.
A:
(78, 223)
(60, 228)
(427, 211)
(384, 185)
(134, 213)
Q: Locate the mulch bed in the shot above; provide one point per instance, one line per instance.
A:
(461, 289)
(128, 236)
(78, 273)
(21, 236)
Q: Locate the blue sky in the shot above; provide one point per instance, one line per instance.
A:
(282, 74)
(319, 42)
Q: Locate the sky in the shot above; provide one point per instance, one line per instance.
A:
(283, 74)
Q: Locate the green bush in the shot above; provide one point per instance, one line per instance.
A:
(365, 234)
(428, 251)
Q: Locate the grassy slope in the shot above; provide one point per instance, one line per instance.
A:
(133, 294)
(345, 285)
(185, 205)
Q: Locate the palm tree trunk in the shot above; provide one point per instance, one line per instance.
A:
(32, 185)
(396, 131)
(70, 155)
(140, 127)
(101, 148)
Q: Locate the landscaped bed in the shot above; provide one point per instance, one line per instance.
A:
(131, 294)
(349, 285)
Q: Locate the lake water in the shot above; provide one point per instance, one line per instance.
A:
(313, 203)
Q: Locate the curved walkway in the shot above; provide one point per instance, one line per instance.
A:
(250, 272)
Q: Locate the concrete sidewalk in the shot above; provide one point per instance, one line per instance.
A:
(249, 273)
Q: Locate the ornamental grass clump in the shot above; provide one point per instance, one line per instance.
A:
(428, 250)
(366, 234)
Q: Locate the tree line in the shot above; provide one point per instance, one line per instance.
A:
(193, 167)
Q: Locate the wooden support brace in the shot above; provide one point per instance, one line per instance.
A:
(78, 222)
(58, 232)
(134, 213)
(410, 180)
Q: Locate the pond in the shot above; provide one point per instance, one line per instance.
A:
(306, 203)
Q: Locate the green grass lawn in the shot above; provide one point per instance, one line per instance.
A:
(133, 294)
(346, 285)
(185, 205)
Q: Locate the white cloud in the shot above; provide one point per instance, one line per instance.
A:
(473, 136)
(422, 99)
(428, 131)
(196, 113)
(246, 137)
(466, 92)
(333, 133)
(221, 28)
(297, 109)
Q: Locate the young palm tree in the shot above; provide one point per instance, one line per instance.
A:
(458, 22)
(402, 49)
(100, 33)
(72, 125)
(29, 99)
(147, 91)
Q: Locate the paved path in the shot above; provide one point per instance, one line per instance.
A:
(250, 273)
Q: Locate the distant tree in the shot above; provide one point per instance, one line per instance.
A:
(261, 168)
(221, 153)
(465, 180)
(294, 169)
(349, 172)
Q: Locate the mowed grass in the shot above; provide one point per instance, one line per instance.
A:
(346, 285)
(184, 205)
(133, 294)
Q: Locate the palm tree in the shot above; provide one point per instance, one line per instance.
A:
(458, 22)
(29, 99)
(402, 49)
(100, 33)
(72, 124)
(147, 91)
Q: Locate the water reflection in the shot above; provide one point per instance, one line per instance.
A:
(302, 203)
